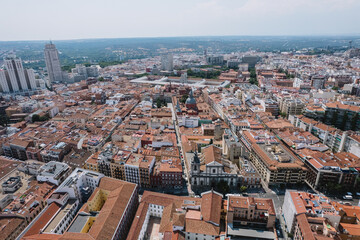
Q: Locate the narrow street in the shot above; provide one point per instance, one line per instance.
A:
(182, 154)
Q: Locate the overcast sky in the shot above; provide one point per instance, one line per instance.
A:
(75, 19)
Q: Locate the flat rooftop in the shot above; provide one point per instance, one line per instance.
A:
(276, 152)
(24, 178)
(80, 221)
(244, 233)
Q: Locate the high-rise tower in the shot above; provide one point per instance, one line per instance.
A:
(53, 63)
(15, 78)
(167, 62)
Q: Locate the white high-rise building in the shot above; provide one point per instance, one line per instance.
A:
(167, 62)
(16, 79)
(53, 63)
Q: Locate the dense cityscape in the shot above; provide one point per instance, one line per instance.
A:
(185, 144)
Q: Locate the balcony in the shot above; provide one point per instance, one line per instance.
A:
(257, 220)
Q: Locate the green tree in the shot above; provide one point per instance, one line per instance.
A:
(223, 187)
(253, 77)
(100, 79)
(158, 103)
(243, 188)
(45, 117)
(4, 120)
(211, 141)
(35, 118)
(183, 98)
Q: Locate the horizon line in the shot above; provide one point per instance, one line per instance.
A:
(189, 36)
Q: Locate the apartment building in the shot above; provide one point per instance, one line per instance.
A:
(107, 214)
(273, 161)
(182, 217)
(247, 213)
(313, 205)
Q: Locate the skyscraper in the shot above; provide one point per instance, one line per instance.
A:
(53, 63)
(167, 62)
(15, 78)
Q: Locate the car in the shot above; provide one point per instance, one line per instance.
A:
(347, 197)
(349, 193)
(347, 203)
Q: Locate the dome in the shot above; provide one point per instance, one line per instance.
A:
(190, 100)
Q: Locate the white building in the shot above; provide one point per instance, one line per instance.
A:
(80, 184)
(16, 79)
(189, 122)
(53, 172)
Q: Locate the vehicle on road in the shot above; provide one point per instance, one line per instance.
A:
(347, 197)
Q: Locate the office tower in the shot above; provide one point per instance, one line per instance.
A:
(167, 62)
(53, 63)
(215, 60)
(15, 78)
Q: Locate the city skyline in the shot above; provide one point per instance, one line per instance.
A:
(114, 19)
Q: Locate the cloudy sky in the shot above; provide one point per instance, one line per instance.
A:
(74, 19)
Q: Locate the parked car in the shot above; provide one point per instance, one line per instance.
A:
(347, 197)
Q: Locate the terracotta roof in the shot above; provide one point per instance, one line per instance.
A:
(211, 207)
(43, 219)
(304, 227)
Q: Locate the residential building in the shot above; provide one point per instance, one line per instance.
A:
(273, 161)
(16, 79)
(53, 172)
(107, 214)
(185, 217)
(244, 214)
(296, 203)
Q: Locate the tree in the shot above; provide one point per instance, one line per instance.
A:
(253, 78)
(45, 117)
(222, 187)
(243, 188)
(211, 141)
(158, 103)
(35, 118)
(4, 120)
(100, 79)
(183, 98)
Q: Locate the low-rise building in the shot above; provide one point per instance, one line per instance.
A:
(183, 217)
(247, 213)
(53, 172)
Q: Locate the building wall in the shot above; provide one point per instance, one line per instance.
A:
(289, 211)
